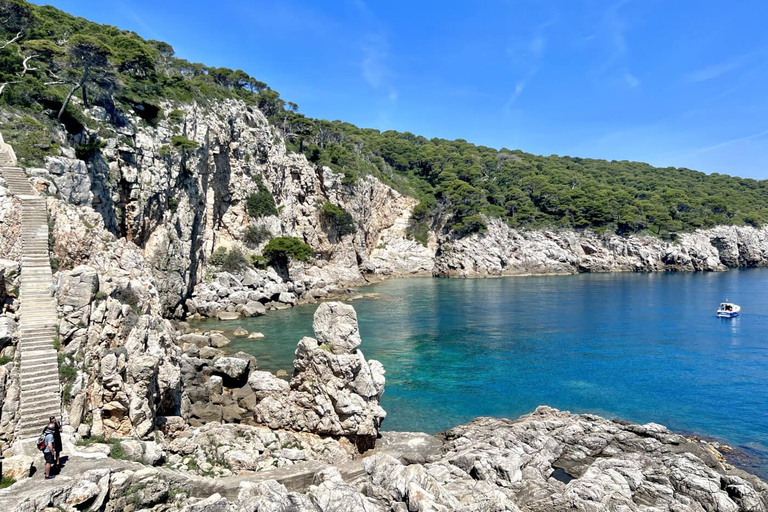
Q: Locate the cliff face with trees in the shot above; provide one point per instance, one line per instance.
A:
(208, 170)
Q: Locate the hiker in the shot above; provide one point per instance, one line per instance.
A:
(56, 440)
(50, 449)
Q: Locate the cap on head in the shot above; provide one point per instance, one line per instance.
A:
(52, 418)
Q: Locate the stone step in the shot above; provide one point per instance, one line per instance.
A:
(41, 356)
(38, 417)
(51, 367)
(37, 385)
(42, 409)
(42, 394)
(37, 346)
(38, 379)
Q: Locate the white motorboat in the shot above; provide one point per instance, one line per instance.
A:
(728, 310)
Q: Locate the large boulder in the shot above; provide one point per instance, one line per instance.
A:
(232, 368)
(78, 287)
(335, 326)
(334, 390)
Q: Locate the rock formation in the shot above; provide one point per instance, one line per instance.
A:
(334, 390)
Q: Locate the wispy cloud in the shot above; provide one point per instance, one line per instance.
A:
(527, 56)
(716, 70)
(631, 80)
(726, 143)
(617, 62)
(374, 66)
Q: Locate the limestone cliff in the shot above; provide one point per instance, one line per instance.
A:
(504, 251)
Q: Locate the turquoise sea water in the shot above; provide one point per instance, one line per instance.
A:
(642, 347)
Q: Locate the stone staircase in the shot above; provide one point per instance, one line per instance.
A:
(40, 385)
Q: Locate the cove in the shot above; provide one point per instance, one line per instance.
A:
(644, 347)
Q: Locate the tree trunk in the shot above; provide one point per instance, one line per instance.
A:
(72, 91)
(66, 101)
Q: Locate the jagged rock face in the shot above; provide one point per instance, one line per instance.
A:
(112, 333)
(334, 390)
(505, 251)
(10, 224)
(178, 205)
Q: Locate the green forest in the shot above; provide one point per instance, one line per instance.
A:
(47, 57)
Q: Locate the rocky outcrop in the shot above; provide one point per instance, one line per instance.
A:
(542, 462)
(334, 390)
(505, 251)
(178, 205)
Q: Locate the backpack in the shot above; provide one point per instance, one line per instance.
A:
(41, 442)
(41, 445)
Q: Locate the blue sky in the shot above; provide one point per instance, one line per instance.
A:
(670, 82)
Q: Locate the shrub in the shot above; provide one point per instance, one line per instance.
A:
(90, 440)
(339, 218)
(230, 260)
(183, 144)
(235, 260)
(6, 481)
(67, 373)
(218, 256)
(128, 296)
(5, 360)
(176, 116)
(280, 249)
(260, 203)
(86, 151)
(254, 235)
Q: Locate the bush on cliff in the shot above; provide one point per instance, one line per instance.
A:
(230, 260)
(260, 203)
(279, 250)
(338, 218)
(254, 235)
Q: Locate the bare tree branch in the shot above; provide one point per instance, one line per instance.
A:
(16, 38)
(26, 67)
(2, 87)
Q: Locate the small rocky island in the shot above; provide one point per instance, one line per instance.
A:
(250, 441)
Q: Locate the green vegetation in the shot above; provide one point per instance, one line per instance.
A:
(88, 441)
(338, 218)
(67, 373)
(57, 56)
(230, 260)
(116, 452)
(279, 250)
(260, 203)
(6, 481)
(183, 144)
(5, 360)
(254, 235)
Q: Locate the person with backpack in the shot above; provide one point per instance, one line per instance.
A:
(49, 450)
(57, 445)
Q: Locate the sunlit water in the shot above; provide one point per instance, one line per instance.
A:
(642, 347)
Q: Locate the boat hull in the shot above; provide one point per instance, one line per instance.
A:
(727, 314)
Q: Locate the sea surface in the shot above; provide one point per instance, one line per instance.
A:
(641, 347)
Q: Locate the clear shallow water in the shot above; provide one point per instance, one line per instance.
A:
(642, 347)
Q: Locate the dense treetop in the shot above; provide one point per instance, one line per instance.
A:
(49, 56)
